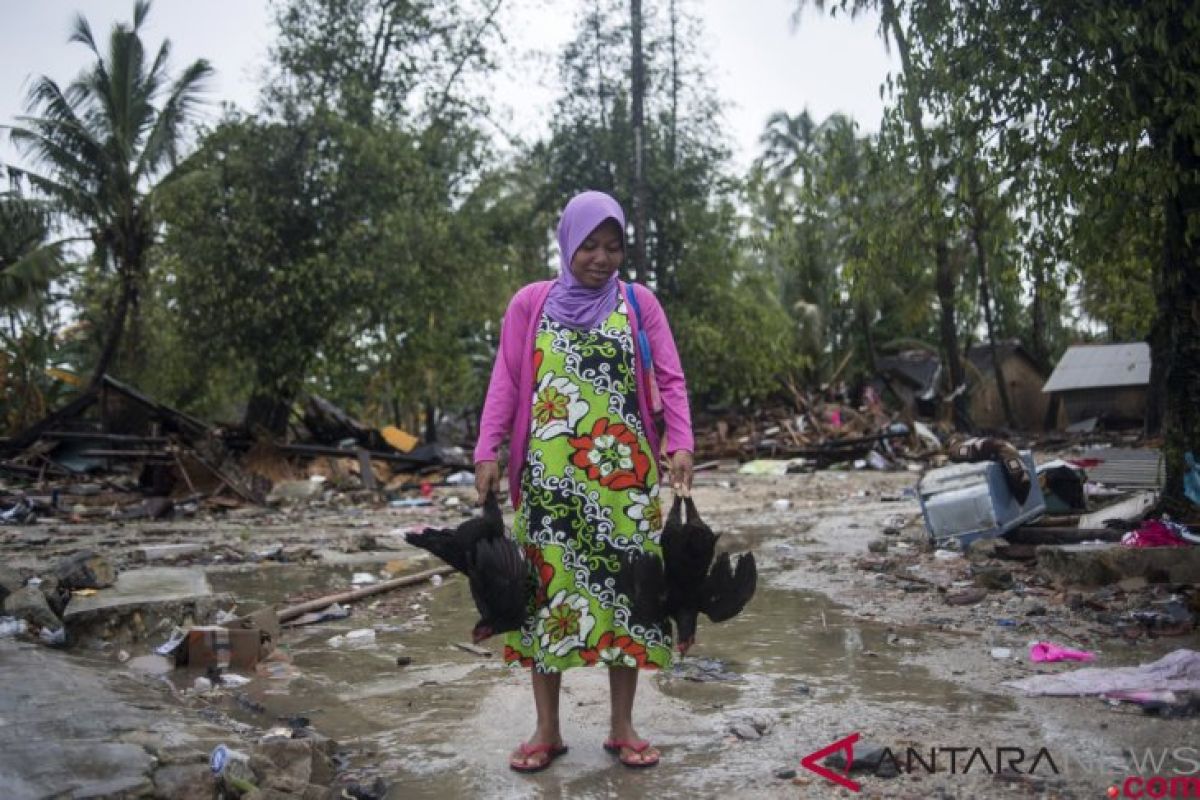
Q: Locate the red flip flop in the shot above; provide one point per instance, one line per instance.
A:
(615, 746)
(552, 751)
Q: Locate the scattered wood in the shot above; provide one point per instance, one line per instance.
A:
(352, 595)
(473, 649)
(1046, 535)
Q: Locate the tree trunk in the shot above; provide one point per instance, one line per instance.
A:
(935, 216)
(638, 93)
(947, 284)
(978, 226)
(431, 434)
(1177, 336)
(1038, 343)
(268, 413)
(116, 328)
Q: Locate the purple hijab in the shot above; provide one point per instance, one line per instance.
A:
(571, 303)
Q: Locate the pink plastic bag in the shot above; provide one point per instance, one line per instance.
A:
(1048, 651)
(1154, 533)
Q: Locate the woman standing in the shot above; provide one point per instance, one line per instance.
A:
(573, 392)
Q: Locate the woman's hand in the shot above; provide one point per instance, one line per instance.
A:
(681, 472)
(487, 478)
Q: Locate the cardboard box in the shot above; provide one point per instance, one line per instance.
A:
(266, 622)
(214, 645)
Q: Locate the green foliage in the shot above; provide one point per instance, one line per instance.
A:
(105, 142)
(695, 246)
(833, 221)
(29, 265)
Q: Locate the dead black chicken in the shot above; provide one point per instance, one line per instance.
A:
(688, 580)
(495, 568)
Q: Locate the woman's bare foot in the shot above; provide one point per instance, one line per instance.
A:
(536, 753)
(632, 756)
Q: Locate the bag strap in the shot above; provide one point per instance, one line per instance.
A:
(643, 339)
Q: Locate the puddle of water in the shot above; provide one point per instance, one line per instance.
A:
(265, 584)
(443, 725)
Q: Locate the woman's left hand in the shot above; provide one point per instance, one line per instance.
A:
(681, 472)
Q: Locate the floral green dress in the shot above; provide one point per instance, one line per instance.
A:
(589, 493)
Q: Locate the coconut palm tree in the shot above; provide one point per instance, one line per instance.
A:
(28, 261)
(106, 144)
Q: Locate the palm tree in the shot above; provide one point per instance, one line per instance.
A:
(107, 143)
(28, 262)
(788, 142)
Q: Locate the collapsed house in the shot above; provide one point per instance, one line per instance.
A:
(913, 376)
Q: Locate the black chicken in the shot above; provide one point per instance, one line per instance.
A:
(687, 581)
(495, 568)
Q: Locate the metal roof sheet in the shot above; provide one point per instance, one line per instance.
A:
(1091, 366)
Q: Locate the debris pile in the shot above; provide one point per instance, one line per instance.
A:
(115, 453)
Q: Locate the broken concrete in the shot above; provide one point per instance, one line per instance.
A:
(86, 570)
(1102, 564)
(67, 730)
(29, 604)
(142, 602)
(169, 552)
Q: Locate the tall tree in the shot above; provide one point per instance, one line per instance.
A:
(638, 97)
(107, 143)
(29, 263)
(1100, 98)
(924, 147)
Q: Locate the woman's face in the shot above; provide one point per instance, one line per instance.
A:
(600, 255)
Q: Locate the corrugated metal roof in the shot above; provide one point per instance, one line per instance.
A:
(1127, 468)
(1092, 366)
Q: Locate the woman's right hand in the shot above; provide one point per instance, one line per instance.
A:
(487, 478)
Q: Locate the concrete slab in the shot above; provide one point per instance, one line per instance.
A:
(1101, 564)
(1130, 508)
(169, 552)
(141, 587)
(66, 728)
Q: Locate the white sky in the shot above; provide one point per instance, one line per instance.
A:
(758, 63)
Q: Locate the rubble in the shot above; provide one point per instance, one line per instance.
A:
(86, 570)
(192, 525)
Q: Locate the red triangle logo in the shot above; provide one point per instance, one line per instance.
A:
(809, 762)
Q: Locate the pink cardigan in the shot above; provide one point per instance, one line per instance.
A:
(508, 407)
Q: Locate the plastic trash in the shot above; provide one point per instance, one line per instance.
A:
(171, 644)
(1048, 651)
(55, 637)
(411, 502)
(11, 626)
(461, 478)
(232, 767)
(1001, 652)
(1191, 478)
(363, 578)
(782, 504)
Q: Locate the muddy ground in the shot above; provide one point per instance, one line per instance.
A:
(836, 641)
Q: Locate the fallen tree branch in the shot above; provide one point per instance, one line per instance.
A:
(291, 612)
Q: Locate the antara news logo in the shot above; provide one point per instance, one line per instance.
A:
(1172, 772)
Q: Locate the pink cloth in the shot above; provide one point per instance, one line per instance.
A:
(1153, 533)
(1047, 651)
(509, 403)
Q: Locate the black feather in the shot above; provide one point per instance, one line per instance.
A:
(641, 580)
(453, 545)
(499, 580)
(688, 549)
(727, 590)
(493, 563)
(694, 583)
